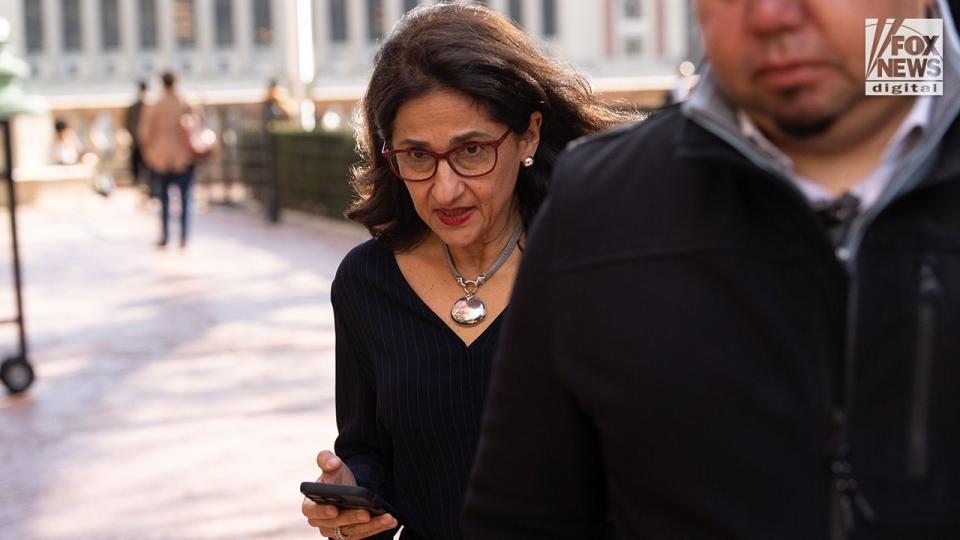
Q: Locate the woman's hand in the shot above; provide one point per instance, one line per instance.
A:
(354, 524)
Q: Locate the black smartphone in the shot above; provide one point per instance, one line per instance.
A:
(347, 498)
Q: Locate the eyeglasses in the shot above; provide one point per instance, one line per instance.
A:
(468, 160)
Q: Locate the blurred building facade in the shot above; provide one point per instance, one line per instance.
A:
(86, 56)
(226, 50)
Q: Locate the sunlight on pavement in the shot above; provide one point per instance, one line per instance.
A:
(180, 394)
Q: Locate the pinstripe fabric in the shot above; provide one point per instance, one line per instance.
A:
(409, 393)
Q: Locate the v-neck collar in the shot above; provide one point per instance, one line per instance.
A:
(417, 303)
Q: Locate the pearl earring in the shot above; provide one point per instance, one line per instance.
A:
(528, 161)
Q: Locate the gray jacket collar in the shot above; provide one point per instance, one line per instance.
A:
(710, 109)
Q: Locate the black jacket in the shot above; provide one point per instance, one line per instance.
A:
(686, 357)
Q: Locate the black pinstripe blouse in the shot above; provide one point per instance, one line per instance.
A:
(409, 393)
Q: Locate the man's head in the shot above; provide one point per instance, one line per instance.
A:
(169, 80)
(795, 64)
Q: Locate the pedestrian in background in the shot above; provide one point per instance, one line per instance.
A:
(167, 155)
(277, 106)
(740, 318)
(67, 147)
(131, 121)
(462, 121)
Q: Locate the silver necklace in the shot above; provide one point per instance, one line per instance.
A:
(470, 310)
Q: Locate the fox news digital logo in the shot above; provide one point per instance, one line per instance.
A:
(904, 57)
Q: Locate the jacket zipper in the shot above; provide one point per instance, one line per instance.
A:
(930, 293)
(847, 503)
(848, 506)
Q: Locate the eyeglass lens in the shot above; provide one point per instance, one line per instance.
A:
(470, 160)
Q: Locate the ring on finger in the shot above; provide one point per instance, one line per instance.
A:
(338, 532)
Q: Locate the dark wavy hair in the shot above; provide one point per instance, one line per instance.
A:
(479, 53)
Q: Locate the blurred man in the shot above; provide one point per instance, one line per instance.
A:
(740, 319)
(167, 155)
(131, 121)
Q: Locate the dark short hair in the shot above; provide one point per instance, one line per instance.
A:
(142, 85)
(169, 79)
(59, 125)
(479, 53)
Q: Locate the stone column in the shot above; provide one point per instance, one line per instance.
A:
(92, 57)
(243, 34)
(166, 39)
(129, 38)
(357, 40)
(533, 18)
(53, 39)
(205, 31)
(499, 5)
(286, 43)
(13, 13)
(321, 34)
(392, 11)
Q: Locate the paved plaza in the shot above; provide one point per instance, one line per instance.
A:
(179, 393)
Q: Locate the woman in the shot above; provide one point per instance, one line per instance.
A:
(462, 122)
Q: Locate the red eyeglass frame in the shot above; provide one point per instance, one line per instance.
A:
(438, 156)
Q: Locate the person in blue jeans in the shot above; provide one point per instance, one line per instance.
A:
(183, 181)
(170, 160)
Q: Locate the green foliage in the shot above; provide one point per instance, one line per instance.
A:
(311, 168)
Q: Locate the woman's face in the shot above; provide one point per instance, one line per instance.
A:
(463, 211)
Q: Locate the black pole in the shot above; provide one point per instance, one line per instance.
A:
(12, 201)
(271, 184)
(273, 179)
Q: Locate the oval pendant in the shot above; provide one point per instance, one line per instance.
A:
(468, 311)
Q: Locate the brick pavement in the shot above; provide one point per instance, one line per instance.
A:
(180, 394)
